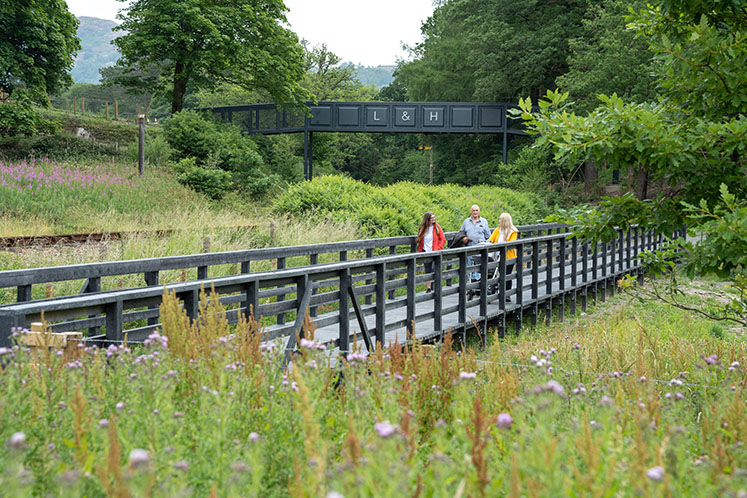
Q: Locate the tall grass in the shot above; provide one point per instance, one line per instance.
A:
(102, 197)
(634, 402)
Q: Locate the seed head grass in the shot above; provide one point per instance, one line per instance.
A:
(208, 408)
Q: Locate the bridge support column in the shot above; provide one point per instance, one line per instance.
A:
(308, 152)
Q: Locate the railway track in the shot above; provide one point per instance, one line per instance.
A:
(84, 238)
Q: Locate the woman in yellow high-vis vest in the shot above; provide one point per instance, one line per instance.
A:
(506, 232)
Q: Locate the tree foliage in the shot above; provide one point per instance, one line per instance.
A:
(694, 137)
(491, 50)
(606, 57)
(198, 43)
(37, 46)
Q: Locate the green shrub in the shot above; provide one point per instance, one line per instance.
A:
(190, 134)
(21, 117)
(218, 146)
(398, 209)
(212, 182)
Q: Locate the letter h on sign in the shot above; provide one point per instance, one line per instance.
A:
(433, 116)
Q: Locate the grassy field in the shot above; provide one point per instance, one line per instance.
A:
(631, 399)
(627, 400)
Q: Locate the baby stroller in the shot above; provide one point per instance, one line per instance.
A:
(476, 276)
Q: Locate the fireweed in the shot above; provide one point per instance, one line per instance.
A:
(41, 187)
(206, 407)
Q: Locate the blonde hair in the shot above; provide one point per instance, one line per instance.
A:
(506, 225)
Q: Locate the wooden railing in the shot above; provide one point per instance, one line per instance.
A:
(387, 292)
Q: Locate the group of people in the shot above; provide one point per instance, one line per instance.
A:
(474, 231)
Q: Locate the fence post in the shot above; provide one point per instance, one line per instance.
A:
(380, 304)
(613, 272)
(411, 263)
(251, 305)
(280, 298)
(463, 288)
(605, 246)
(519, 286)
(9, 321)
(114, 321)
(561, 280)
(344, 313)
(574, 273)
(141, 144)
(23, 293)
(437, 290)
(628, 249)
(369, 255)
(484, 293)
(595, 271)
(313, 260)
(548, 282)
(535, 282)
(392, 250)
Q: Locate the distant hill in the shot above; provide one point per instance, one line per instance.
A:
(96, 50)
(378, 76)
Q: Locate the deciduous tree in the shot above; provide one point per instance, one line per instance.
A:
(37, 46)
(198, 43)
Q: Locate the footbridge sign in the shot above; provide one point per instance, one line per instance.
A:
(372, 117)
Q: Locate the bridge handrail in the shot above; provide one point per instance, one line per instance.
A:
(537, 258)
(30, 276)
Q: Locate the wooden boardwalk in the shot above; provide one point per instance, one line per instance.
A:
(516, 308)
(383, 295)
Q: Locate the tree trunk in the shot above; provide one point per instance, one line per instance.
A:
(180, 87)
(641, 183)
(590, 176)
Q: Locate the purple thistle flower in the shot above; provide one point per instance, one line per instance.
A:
(103, 423)
(467, 375)
(357, 357)
(554, 386)
(17, 441)
(183, 466)
(385, 429)
(139, 457)
(655, 473)
(254, 437)
(504, 421)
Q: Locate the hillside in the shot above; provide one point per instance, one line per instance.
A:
(96, 49)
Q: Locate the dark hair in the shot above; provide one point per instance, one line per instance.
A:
(424, 226)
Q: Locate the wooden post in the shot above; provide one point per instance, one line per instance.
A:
(344, 311)
(82, 105)
(380, 304)
(141, 145)
(280, 266)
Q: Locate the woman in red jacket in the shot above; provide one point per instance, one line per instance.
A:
(430, 238)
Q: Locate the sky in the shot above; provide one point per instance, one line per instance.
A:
(359, 31)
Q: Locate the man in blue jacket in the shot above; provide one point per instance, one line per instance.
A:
(477, 230)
